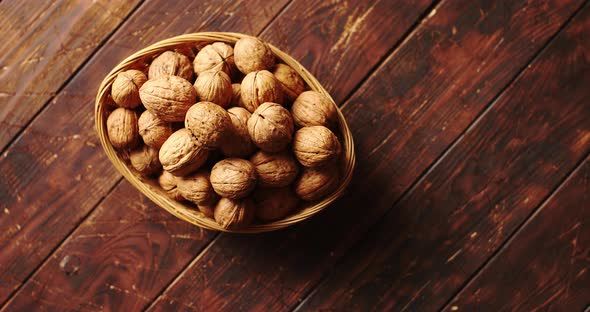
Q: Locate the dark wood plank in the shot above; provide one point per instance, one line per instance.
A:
(45, 43)
(466, 207)
(331, 37)
(545, 265)
(54, 175)
(403, 118)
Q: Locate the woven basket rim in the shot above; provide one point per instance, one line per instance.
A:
(190, 214)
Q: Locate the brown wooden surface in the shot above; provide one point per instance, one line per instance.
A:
(548, 258)
(440, 121)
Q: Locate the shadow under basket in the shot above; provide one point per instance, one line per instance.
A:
(140, 60)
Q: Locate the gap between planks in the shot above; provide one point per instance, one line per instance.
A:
(66, 82)
(440, 158)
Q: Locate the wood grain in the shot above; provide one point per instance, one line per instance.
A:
(330, 39)
(465, 208)
(403, 117)
(545, 266)
(45, 43)
(54, 175)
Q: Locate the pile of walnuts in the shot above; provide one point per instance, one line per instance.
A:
(254, 144)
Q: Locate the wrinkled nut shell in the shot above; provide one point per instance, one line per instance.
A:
(312, 108)
(168, 183)
(208, 123)
(315, 146)
(236, 98)
(290, 80)
(260, 87)
(215, 56)
(234, 213)
(168, 97)
(153, 130)
(316, 183)
(207, 210)
(122, 128)
(271, 127)
(275, 169)
(274, 203)
(145, 160)
(180, 155)
(125, 88)
(171, 63)
(196, 188)
(214, 86)
(252, 54)
(238, 143)
(233, 178)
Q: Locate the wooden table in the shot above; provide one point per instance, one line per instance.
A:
(472, 129)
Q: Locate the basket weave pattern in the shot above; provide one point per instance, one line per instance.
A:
(191, 214)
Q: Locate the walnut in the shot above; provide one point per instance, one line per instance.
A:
(271, 127)
(180, 155)
(233, 178)
(236, 100)
(290, 80)
(196, 188)
(168, 182)
(275, 169)
(171, 63)
(168, 97)
(259, 87)
(315, 146)
(312, 108)
(234, 213)
(274, 203)
(145, 160)
(237, 142)
(252, 54)
(207, 210)
(125, 88)
(215, 56)
(153, 130)
(208, 123)
(316, 183)
(122, 128)
(214, 86)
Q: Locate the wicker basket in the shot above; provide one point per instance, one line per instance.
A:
(139, 60)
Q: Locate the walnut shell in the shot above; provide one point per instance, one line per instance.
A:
(145, 160)
(209, 123)
(312, 108)
(125, 88)
(315, 146)
(260, 87)
(233, 178)
(171, 63)
(237, 142)
(236, 98)
(153, 130)
(168, 183)
(252, 54)
(214, 86)
(275, 169)
(274, 203)
(215, 56)
(316, 183)
(168, 97)
(271, 127)
(196, 188)
(180, 155)
(290, 80)
(122, 128)
(234, 213)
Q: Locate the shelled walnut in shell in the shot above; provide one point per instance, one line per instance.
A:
(229, 131)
